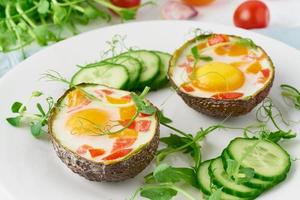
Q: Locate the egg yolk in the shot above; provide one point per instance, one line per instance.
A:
(218, 76)
(88, 122)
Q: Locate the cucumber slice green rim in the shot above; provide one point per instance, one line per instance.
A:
(133, 66)
(270, 161)
(112, 75)
(205, 182)
(150, 66)
(254, 182)
(203, 178)
(162, 79)
(219, 178)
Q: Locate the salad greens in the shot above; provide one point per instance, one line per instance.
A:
(43, 21)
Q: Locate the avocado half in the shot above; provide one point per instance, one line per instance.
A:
(127, 167)
(220, 108)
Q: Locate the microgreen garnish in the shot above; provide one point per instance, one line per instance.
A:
(246, 42)
(186, 143)
(269, 112)
(22, 22)
(36, 121)
(215, 195)
(163, 183)
(198, 57)
(291, 93)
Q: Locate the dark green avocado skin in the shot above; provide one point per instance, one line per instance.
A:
(219, 108)
(94, 171)
(115, 172)
(224, 108)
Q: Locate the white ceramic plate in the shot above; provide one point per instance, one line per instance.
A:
(30, 169)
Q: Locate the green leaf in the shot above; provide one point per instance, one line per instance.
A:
(195, 53)
(36, 94)
(174, 141)
(215, 195)
(245, 175)
(91, 12)
(127, 14)
(36, 129)
(246, 42)
(158, 193)
(43, 36)
(43, 7)
(205, 58)
(15, 108)
(232, 167)
(14, 121)
(40, 108)
(167, 174)
(142, 106)
(162, 118)
(59, 13)
(278, 135)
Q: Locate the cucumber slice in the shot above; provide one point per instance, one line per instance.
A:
(133, 66)
(203, 178)
(268, 159)
(150, 66)
(220, 178)
(205, 183)
(254, 182)
(112, 75)
(161, 80)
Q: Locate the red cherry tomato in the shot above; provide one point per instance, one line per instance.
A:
(252, 14)
(126, 3)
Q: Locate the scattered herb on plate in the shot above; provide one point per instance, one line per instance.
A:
(36, 121)
(291, 93)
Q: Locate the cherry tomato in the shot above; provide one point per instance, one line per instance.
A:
(252, 14)
(197, 2)
(126, 3)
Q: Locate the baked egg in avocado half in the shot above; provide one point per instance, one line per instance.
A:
(93, 133)
(221, 75)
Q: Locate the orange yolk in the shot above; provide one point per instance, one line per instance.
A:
(88, 122)
(218, 76)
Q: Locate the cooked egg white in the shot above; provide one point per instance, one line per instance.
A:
(81, 121)
(233, 67)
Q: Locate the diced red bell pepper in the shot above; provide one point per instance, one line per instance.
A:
(265, 72)
(122, 143)
(127, 97)
(217, 39)
(125, 123)
(83, 149)
(142, 125)
(107, 92)
(228, 95)
(187, 88)
(144, 115)
(96, 152)
(118, 154)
